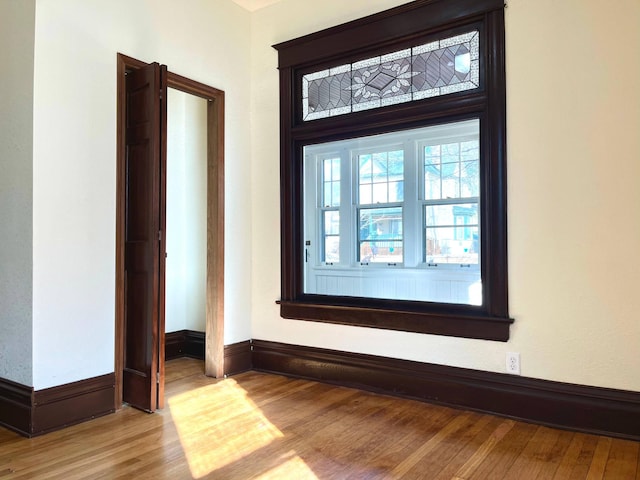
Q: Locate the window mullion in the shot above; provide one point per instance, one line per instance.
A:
(346, 217)
(411, 210)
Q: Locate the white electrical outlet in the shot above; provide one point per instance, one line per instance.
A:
(513, 363)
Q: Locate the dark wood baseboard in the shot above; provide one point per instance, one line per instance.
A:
(174, 344)
(237, 357)
(189, 343)
(33, 413)
(58, 407)
(184, 343)
(576, 407)
(15, 406)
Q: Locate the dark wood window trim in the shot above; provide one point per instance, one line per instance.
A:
(388, 31)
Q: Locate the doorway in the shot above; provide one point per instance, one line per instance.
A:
(214, 269)
(186, 228)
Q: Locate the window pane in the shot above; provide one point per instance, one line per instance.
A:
(470, 150)
(332, 249)
(450, 153)
(380, 223)
(451, 233)
(452, 245)
(396, 164)
(380, 193)
(379, 167)
(365, 194)
(432, 152)
(380, 177)
(335, 169)
(452, 170)
(380, 235)
(331, 236)
(451, 214)
(388, 251)
(331, 222)
(327, 171)
(470, 179)
(450, 180)
(331, 182)
(326, 199)
(396, 191)
(335, 194)
(365, 168)
(432, 182)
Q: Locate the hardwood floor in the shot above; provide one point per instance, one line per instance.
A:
(256, 425)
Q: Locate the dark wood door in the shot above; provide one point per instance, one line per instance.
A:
(143, 380)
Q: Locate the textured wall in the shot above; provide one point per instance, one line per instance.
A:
(574, 204)
(17, 24)
(75, 162)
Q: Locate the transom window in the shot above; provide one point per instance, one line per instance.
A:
(393, 171)
(432, 69)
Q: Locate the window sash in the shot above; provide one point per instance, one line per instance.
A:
(395, 157)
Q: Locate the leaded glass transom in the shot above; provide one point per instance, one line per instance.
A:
(429, 70)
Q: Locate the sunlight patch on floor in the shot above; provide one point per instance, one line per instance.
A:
(292, 467)
(218, 425)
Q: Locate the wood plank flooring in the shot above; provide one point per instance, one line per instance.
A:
(256, 425)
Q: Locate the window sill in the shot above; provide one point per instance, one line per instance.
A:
(477, 326)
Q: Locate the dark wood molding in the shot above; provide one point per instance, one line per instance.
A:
(237, 357)
(215, 217)
(384, 32)
(583, 408)
(481, 327)
(195, 344)
(174, 346)
(388, 26)
(184, 343)
(576, 407)
(58, 407)
(15, 406)
(33, 413)
(189, 343)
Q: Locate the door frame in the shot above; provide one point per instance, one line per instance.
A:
(214, 324)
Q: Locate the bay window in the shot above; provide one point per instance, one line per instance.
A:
(400, 221)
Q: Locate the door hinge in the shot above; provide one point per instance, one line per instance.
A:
(157, 377)
(159, 235)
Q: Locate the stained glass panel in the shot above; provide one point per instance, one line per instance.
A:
(437, 68)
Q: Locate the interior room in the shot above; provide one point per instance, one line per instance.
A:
(536, 350)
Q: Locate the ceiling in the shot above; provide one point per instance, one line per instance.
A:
(253, 5)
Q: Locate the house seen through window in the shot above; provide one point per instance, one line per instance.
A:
(395, 216)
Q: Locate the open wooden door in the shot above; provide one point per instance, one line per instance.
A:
(145, 205)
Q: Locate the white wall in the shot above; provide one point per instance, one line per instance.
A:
(574, 201)
(574, 205)
(185, 297)
(74, 158)
(17, 25)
